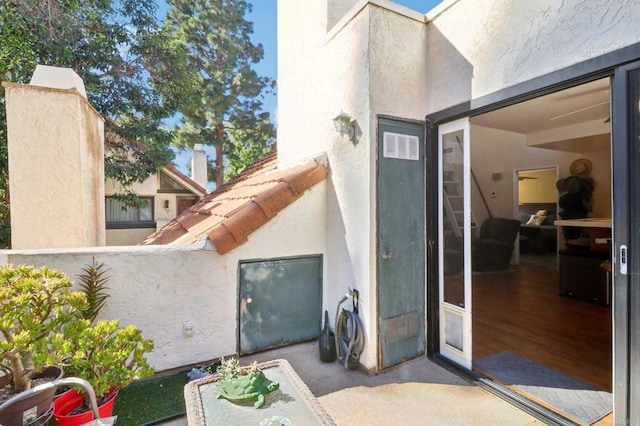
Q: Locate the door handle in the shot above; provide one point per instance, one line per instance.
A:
(387, 254)
(623, 259)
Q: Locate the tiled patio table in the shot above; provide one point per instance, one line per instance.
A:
(292, 401)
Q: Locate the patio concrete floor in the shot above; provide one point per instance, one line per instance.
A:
(418, 392)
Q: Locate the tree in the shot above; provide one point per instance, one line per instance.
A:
(222, 104)
(110, 44)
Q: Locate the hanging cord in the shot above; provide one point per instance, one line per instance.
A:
(349, 329)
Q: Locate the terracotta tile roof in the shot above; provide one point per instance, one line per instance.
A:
(229, 214)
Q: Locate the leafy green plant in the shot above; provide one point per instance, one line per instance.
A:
(42, 323)
(35, 305)
(105, 354)
(93, 282)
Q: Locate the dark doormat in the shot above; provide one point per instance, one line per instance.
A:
(575, 399)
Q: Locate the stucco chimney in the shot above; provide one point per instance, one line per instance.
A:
(57, 78)
(199, 165)
(55, 144)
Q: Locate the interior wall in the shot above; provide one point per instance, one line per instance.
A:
(500, 151)
(537, 186)
(601, 175)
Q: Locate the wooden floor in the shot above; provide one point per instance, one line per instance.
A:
(520, 311)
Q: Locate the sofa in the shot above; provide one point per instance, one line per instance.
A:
(537, 236)
(492, 250)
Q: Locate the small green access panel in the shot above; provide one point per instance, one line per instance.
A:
(280, 302)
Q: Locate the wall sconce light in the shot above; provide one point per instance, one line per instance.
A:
(166, 204)
(344, 125)
(496, 176)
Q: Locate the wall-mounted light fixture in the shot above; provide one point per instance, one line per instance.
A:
(344, 125)
(166, 204)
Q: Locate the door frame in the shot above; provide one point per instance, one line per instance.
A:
(626, 292)
(463, 355)
(612, 65)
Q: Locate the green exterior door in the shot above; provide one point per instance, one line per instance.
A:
(401, 241)
(280, 302)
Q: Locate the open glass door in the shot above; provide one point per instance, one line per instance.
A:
(455, 241)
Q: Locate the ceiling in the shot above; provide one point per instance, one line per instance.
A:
(579, 104)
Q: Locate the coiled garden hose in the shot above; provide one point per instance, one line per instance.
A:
(349, 333)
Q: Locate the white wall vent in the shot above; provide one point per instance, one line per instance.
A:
(402, 147)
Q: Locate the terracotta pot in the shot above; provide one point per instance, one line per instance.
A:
(35, 410)
(70, 400)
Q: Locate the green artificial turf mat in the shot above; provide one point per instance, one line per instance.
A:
(151, 400)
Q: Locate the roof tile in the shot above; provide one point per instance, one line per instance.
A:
(230, 214)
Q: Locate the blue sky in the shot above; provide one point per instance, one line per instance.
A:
(264, 18)
(264, 21)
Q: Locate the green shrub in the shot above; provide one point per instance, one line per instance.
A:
(35, 305)
(42, 323)
(106, 354)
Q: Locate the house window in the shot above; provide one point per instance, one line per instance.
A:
(119, 215)
(169, 185)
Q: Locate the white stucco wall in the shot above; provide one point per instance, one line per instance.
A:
(128, 237)
(369, 62)
(479, 47)
(56, 169)
(302, 125)
(499, 151)
(148, 187)
(158, 288)
(338, 62)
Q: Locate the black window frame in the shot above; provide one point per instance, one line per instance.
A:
(131, 224)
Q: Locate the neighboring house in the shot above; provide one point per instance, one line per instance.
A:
(448, 112)
(165, 195)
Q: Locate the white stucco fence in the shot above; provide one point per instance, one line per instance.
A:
(159, 288)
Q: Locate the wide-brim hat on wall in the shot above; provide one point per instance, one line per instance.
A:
(580, 167)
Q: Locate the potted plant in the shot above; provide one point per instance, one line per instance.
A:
(102, 352)
(35, 306)
(109, 357)
(93, 283)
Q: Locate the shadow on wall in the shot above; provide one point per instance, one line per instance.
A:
(448, 74)
(339, 260)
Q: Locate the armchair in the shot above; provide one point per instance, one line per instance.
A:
(492, 250)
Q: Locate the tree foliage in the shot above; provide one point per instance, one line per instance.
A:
(109, 44)
(222, 103)
(137, 73)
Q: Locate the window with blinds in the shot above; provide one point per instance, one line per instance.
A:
(120, 215)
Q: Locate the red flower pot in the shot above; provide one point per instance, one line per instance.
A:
(70, 400)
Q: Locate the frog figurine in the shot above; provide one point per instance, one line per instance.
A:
(253, 386)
